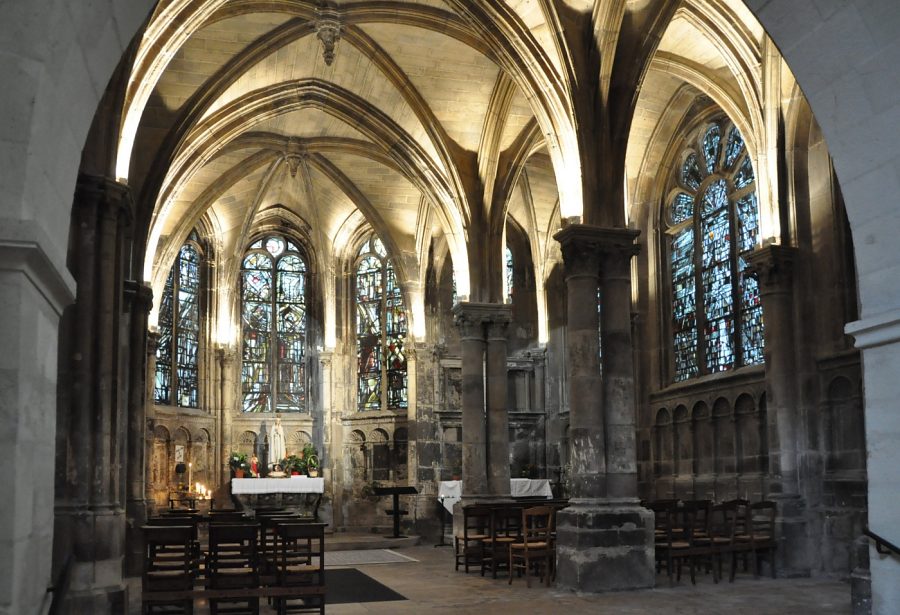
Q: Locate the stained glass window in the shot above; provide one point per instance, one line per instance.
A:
(508, 281)
(713, 219)
(177, 378)
(381, 330)
(273, 326)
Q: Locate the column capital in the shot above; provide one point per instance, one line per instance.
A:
(113, 198)
(587, 248)
(140, 294)
(471, 318)
(773, 266)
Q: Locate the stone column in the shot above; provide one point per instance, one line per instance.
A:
(468, 319)
(226, 356)
(773, 266)
(497, 414)
(140, 300)
(95, 507)
(605, 539)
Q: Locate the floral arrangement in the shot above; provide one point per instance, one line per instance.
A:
(306, 460)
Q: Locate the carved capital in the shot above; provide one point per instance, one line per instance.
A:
(773, 267)
(589, 249)
(473, 318)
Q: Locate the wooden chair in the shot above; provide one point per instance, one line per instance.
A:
(301, 565)
(168, 568)
(756, 536)
(505, 529)
(469, 545)
(192, 521)
(663, 526)
(232, 564)
(536, 548)
(685, 539)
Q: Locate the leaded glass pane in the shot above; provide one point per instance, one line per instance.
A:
(734, 148)
(715, 197)
(275, 246)
(744, 176)
(162, 388)
(394, 353)
(509, 274)
(690, 173)
(720, 345)
(290, 297)
(712, 143)
(716, 238)
(752, 341)
(369, 284)
(686, 354)
(682, 208)
(684, 311)
(378, 247)
(748, 223)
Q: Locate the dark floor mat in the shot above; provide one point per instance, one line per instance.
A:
(346, 585)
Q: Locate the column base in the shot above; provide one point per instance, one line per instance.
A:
(605, 545)
(794, 555)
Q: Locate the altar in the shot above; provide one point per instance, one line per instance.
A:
(300, 493)
(450, 491)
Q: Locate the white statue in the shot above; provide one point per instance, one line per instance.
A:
(276, 442)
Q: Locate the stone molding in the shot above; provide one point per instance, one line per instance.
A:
(114, 197)
(878, 330)
(29, 259)
(140, 294)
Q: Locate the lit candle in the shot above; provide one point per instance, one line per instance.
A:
(190, 472)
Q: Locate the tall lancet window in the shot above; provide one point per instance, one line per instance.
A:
(508, 281)
(381, 330)
(177, 368)
(273, 323)
(713, 224)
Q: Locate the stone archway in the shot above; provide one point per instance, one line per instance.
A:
(60, 60)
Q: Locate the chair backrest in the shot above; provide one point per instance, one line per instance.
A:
(537, 525)
(167, 557)
(663, 513)
(300, 551)
(506, 520)
(173, 520)
(233, 560)
(227, 517)
(761, 519)
(476, 520)
(700, 519)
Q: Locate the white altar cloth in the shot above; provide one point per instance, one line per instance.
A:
(295, 484)
(450, 491)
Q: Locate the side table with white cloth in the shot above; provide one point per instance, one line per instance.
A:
(450, 491)
(278, 488)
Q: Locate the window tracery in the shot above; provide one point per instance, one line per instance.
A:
(273, 324)
(381, 329)
(713, 224)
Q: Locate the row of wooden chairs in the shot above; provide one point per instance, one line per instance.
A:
(700, 532)
(273, 555)
(516, 536)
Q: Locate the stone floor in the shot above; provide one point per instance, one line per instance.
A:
(432, 586)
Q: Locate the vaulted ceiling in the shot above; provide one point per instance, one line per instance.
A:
(420, 117)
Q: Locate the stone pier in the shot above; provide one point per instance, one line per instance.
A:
(605, 538)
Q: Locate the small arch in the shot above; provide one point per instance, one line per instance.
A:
(703, 439)
(663, 437)
(381, 454)
(357, 437)
(299, 438)
(401, 448)
(161, 434)
(378, 436)
(844, 427)
(747, 428)
(723, 437)
(683, 445)
(182, 435)
(202, 437)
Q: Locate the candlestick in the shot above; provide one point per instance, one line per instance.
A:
(190, 472)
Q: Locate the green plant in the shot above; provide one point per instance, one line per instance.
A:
(238, 460)
(312, 462)
(294, 463)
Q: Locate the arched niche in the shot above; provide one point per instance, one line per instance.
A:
(844, 432)
(381, 454)
(201, 457)
(749, 429)
(683, 445)
(723, 430)
(160, 462)
(704, 461)
(355, 453)
(401, 448)
(663, 443)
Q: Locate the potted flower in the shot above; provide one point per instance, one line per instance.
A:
(238, 463)
(312, 465)
(294, 465)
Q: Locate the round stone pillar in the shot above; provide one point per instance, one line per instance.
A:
(605, 538)
(497, 413)
(474, 446)
(773, 266)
